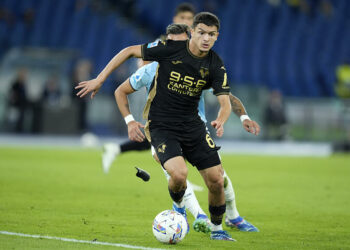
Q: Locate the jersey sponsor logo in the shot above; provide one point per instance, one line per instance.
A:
(185, 85)
(151, 45)
(204, 72)
(176, 62)
(161, 148)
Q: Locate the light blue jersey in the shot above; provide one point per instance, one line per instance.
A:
(143, 77)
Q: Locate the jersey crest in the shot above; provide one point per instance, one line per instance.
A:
(137, 77)
(204, 72)
(161, 148)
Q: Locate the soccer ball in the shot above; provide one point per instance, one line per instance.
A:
(170, 227)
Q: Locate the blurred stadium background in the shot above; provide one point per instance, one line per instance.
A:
(287, 60)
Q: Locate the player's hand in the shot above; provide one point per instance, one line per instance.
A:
(134, 131)
(86, 87)
(219, 126)
(251, 126)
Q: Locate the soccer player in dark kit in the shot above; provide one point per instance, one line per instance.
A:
(184, 14)
(174, 127)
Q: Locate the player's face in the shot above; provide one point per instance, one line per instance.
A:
(177, 37)
(204, 37)
(184, 18)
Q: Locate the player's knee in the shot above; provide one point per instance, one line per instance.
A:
(179, 177)
(216, 185)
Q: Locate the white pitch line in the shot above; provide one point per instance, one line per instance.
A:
(79, 241)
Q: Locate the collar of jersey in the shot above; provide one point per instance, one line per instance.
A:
(189, 51)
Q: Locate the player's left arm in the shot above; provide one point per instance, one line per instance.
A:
(238, 108)
(121, 97)
(223, 115)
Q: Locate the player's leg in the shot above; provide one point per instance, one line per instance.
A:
(169, 154)
(201, 152)
(233, 219)
(190, 199)
(191, 202)
(215, 182)
(177, 170)
(202, 222)
(231, 209)
(112, 150)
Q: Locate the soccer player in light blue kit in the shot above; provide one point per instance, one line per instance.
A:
(143, 77)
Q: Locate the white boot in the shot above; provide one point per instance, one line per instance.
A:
(110, 151)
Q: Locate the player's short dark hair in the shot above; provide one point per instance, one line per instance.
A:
(206, 18)
(176, 29)
(185, 7)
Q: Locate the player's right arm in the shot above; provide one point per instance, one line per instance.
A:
(121, 97)
(94, 85)
(143, 77)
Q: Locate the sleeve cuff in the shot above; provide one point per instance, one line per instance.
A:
(222, 93)
(143, 52)
(131, 85)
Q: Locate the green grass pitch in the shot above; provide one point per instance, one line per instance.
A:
(297, 203)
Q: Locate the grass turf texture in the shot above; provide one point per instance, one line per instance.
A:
(297, 203)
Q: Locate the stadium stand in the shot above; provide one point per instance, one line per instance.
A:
(274, 46)
(265, 46)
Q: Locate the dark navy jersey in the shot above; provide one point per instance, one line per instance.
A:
(180, 79)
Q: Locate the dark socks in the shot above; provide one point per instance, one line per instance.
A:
(216, 213)
(133, 145)
(177, 196)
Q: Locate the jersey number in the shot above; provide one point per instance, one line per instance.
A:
(210, 141)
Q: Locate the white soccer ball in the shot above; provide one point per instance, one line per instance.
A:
(170, 227)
